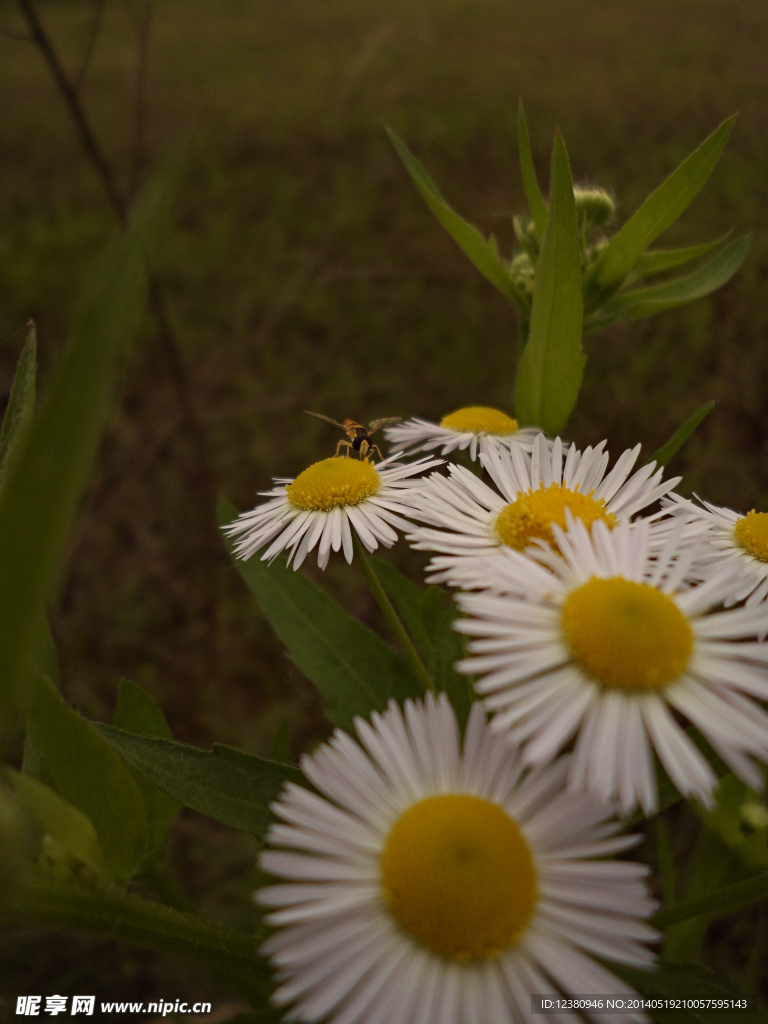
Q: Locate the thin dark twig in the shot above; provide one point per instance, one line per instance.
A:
(203, 475)
(82, 125)
(144, 24)
(90, 43)
(19, 37)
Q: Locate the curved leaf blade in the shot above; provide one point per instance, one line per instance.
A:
(551, 365)
(642, 302)
(21, 401)
(482, 252)
(662, 455)
(660, 210)
(536, 203)
(352, 667)
(659, 261)
(225, 784)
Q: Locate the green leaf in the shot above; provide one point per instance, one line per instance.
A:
(660, 209)
(138, 713)
(662, 455)
(50, 466)
(718, 903)
(407, 599)
(90, 775)
(65, 824)
(642, 302)
(536, 203)
(226, 784)
(352, 667)
(482, 252)
(659, 261)
(448, 648)
(21, 401)
(552, 362)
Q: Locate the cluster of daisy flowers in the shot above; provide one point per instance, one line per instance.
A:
(429, 880)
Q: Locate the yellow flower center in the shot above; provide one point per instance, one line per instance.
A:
(480, 419)
(532, 514)
(333, 483)
(458, 876)
(751, 533)
(626, 635)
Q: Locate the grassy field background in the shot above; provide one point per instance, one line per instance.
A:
(303, 271)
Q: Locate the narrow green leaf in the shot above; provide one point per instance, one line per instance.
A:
(660, 209)
(226, 784)
(50, 466)
(659, 261)
(65, 824)
(482, 252)
(352, 667)
(138, 713)
(90, 775)
(642, 302)
(407, 599)
(21, 401)
(536, 203)
(552, 363)
(717, 904)
(662, 455)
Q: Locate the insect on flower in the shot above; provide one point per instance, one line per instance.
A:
(359, 435)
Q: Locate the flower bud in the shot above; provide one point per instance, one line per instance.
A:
(594, 206)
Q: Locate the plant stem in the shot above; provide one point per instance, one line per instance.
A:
(391, 615)
(138, 921)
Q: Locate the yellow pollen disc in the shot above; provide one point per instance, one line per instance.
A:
(480, 419)
(626, 635)
(532, 514)
(333, 483)
(751, 533)
(458, 876)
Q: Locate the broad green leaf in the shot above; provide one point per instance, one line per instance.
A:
(65, 824)
(138, 713)
(407, 599)
(226, 784)
(21, 401)
(660, 209)
(481, 251)
(659, 261)
(352, 667)
(49, 468)
(89, 774)
(662, 455)
(552, 362)
(536, 203)
(641, 302)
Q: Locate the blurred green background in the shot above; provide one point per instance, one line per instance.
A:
(303, 271)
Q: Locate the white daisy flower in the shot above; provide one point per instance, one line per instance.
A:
(729, 539)
(427, 884)
(477, 427)
(536, 490)
(322, 506)
(608, 644)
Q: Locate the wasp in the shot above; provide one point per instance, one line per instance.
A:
(359, 435)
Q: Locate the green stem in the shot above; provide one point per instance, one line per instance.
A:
(722, 901)
(131, 919)
(391, 615)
